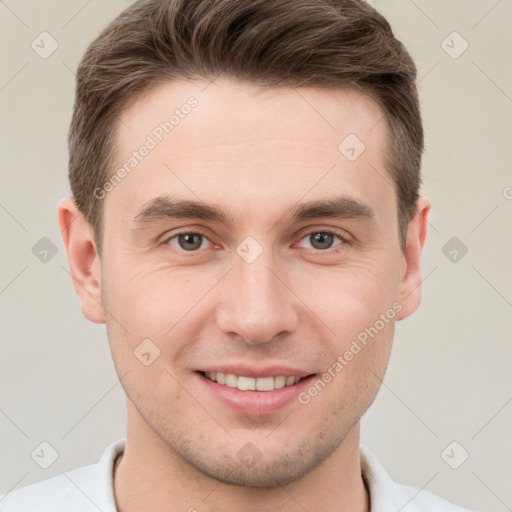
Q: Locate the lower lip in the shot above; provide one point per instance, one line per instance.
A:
(256, 403)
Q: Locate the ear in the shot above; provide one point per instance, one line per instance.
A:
(410, 280)
(84, 261)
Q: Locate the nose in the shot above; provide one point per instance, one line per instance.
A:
(256, 303)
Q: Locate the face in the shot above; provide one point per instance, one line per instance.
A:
(288, 264)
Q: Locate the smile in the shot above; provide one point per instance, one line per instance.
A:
(244, 383)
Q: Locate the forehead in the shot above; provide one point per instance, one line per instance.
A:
(226, 142)
(229, 111)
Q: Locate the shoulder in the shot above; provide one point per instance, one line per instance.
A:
(386, 494)
(87, 488)
(54, 493)
(424, 501)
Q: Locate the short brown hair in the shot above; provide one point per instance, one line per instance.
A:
(266, 43)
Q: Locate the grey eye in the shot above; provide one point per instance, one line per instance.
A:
(187, 241)
(321, 240)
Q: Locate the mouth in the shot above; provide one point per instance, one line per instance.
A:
(244, 383)
(255, 395)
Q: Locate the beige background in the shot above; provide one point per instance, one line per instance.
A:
(450, 376)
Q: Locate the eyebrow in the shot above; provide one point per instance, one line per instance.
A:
(339, 207)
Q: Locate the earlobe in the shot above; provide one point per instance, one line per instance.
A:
(83, 259)
(410, 281)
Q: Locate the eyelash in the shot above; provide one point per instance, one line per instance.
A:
(339, 234)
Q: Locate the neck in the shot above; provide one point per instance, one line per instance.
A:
(150, 477)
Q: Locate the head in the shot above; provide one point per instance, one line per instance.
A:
(246, 197)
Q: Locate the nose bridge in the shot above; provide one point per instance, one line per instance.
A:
(257, 304)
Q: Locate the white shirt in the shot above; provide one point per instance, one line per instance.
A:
(90, 489)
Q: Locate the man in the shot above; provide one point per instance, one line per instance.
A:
(246, 221)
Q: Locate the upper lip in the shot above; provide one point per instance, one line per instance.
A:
(247, 371)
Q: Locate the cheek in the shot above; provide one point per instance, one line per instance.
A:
(150, 295)
(351, 297)
(155, 303)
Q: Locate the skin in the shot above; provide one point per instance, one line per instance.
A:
(254, 155)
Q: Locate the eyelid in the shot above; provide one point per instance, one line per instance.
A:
(183, 231)
(343, 235)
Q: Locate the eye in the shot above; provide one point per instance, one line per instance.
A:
(321, 240)
(187, 241)
(190, 241)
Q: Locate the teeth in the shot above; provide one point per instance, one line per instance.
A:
(251, 384)
(279, 382)
(264, 384)
(246, 383)
(231, 380)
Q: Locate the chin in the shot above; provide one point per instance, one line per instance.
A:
(262, 475)
(279, 468)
